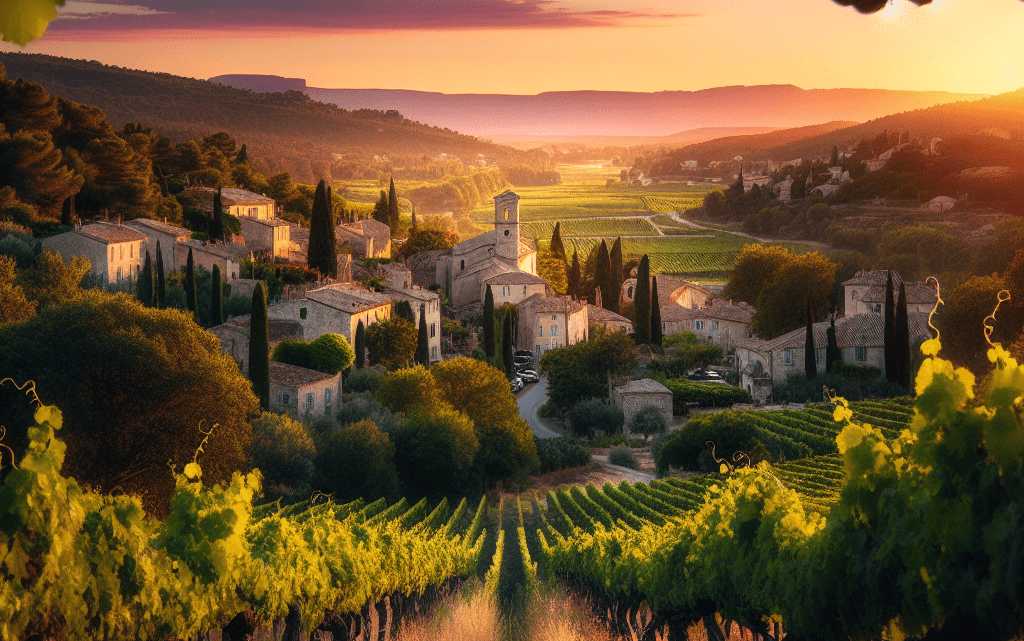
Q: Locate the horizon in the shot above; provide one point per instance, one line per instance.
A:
(659, 46)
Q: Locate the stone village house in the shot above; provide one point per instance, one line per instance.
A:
(547, 322)
(116, 252)
(636, 395)
(301, 392)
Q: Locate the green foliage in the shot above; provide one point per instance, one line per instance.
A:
(561, 452)
(368, 379)
(706, 394)
(406, 389)
(391, 342)
(649, 421)
(139, 386)
(591, 416)
(961, 322)
(357, 461)
(623, 457)
(488, 323)
(283, 452)
(50, 281)
(435, 450)
(332, 353)
(259, 346)
(322, 245)
(426, 240)
(684, 356)
(642, 303)
(580, 371)
(727, 430)
(360, 345)
(16, 305)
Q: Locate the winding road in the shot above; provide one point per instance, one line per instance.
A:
(530, 401)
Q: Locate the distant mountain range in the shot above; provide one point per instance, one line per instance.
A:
(284, 131)
(618, 113)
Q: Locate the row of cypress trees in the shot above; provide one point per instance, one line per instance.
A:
(646, 310)
(152, 288)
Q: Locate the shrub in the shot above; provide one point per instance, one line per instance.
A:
(365, 406)
(435, 451)
(548, 410)
(707, 394)
(357, 461)
(367, 379)
(561, 452)
(648, 421)
(604, 440)
(403, 390)
(859, 386)
(623, 457)
(284, 452)
(727, 430)
(586, 418)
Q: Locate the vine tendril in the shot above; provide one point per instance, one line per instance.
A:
(1001, 297)
(935, 308)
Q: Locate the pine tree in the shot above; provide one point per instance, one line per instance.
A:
(506, 344)
(216, 299)
(832, 353)
(422, 348)
(602, 274)
(360, 345)
(145, 292)
(889, 336)
(393, 207)
(243, 156)
(161, 286)
(642, 302)
(615, 271)
(575, 277)
(217, 226)
(656, 329)
(489, 323)
(901, 346)
(381, 208)
(322, 252)
(557, 248)
(190, 286)
(259, 345)
(810, 356)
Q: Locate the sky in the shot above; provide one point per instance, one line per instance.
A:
(532, 46)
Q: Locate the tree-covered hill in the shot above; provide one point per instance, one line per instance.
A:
(284, 131)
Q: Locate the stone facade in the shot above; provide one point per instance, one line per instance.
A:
(865, 293)
(549, 322)
(636, 395)
(514, 287)
(116, 252)
(301, 392)
(670, 290)
(609, 320)
(234, 337)
(227, 256)
(167, 235)
(269, 236)
(367, 238)
(422, 301)
(237, 202)
(721, 323)
(334, 309)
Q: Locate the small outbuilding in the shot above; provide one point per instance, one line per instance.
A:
(636, 395)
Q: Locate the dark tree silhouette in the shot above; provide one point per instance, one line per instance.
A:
(810, 356)
(642, 302)
(259, 346)
(489, 322)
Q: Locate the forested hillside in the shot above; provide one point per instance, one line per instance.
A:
(284, 131)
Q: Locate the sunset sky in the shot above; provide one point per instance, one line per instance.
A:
(531, 46)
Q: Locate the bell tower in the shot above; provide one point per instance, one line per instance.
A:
(506, 226)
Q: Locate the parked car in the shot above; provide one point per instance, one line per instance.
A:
(705, 376)
(522, 362)
(523, 352)
(529, 376)
(516, 384)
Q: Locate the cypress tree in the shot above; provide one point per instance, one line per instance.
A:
(889, 337)
(832, 353)
(67, 211)
(575, 276)
(161, 286)
(360, 345)
(393, 207)
(414, 219)
(901, 342)
(145, 292)
(259, 345)
(557, 248)
(655, 314)
(810, 356)
(380, 208)
(602, 274)
(489, 323)
(217, 226)
(243, 156)
(322, 253)
(642, 302)
(615, 269)
(835, 156)
(506, 344)
(422, 348)
(216, 299)
(190, 286)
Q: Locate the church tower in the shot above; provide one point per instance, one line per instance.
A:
(506, 226)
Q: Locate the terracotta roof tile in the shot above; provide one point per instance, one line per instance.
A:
(292, 376)
(109, 233)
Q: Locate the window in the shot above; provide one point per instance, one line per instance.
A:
(284, 399)
(524, 290)
(553, 317)
(698, 325)
(131, 251)
(302, 313)
(878, 308)
(121, 253)
(664, 327)
(787, 357)
(629, 292)
(714, 325)
(820, 355)
(462, 264)
(432, 329)
(504, 290)
(506, 232)
(860, 354)
(433, 353)
(111, 254)
(540, 331)
(310, 401)
(537, 348)
(327, 400)
(554, 330)
(506, 215)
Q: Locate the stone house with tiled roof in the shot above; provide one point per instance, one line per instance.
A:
(301, 392)
(608, 319)
(234, 337)
(721, 322)
(115, 251)
(334, 309)
(367, 238)
(167, 235)
(237, 202)
(269, 236)
(860, 339)
(670, 290)
(227, 256)
(422, 301)
(549, 322)
(639, 394)
(865, 293)
(514, 287)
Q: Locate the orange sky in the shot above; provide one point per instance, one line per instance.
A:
(956, 45)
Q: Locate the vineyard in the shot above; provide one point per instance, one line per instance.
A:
(591, 227)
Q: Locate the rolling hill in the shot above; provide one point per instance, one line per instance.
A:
(284, 131)
(621, 113)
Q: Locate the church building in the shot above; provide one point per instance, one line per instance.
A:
(473, 262)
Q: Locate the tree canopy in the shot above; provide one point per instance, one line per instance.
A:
(391, 342)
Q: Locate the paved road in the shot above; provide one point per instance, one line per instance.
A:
(530, 401)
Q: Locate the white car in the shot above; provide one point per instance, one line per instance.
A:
(529, 376)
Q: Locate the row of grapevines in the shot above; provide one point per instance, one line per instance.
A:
(82, 565)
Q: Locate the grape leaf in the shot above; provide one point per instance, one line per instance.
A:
(22, 21)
